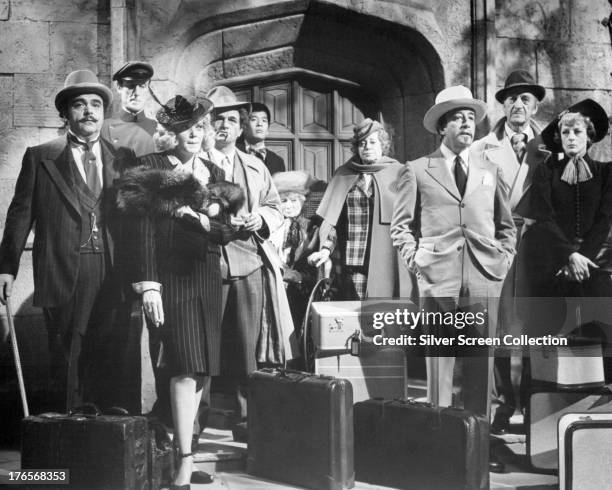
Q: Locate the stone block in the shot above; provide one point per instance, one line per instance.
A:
(6, 101)
(5, 8)
(196, 56)
(85, 11)
(24, 47)
(34, 100)
(512, 54)
(13, 143)
(261, 36)
(269, 61)
(531, 19)
(74, 46)
(103, 53)
(586, 22)
(208, 77)
(569, 65)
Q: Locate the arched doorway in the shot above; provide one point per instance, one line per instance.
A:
(312, 118)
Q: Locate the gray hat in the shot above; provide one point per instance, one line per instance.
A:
(82, 82)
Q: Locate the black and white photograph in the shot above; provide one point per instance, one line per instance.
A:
(306, 244)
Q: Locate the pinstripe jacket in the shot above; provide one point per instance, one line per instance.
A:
(45, 198)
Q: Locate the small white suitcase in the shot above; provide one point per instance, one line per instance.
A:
(585, 451)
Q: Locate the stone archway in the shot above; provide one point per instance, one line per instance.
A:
(394, 63)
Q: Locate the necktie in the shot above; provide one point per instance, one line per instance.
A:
(228, 169)
(519, 145)
(261, 154)
(460, 175)
(88, 159)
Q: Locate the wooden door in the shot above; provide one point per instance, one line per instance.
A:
(311, 121)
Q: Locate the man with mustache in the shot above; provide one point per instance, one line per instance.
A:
(513, 145)
(63, 191)
(253, 140)
(453, 228)
(130, 127)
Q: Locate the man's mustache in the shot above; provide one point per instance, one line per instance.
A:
(89, 118)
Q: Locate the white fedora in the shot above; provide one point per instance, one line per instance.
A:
(452, 98)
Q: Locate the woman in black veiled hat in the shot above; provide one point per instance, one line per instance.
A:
(571, 201)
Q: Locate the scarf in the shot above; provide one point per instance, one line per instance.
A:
(576, 170)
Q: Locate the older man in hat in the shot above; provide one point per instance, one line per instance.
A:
(63, 190)
(513, 145)
(257, 321)
(130, 127)
(253, 140)
(454, 230)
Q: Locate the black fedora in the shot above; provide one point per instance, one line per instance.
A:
(586, 107)
(180, 113)
(520, 81)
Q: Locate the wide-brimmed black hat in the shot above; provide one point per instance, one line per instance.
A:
(586, 107)
(137, 71)
(82, 82)
(180, 113)
(520, 81)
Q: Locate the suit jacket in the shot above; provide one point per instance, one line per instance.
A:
(496, 148)
(432, 222)
(45, 198)
(273, 161)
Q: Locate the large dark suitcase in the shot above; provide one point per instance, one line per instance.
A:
(301, 429)
(544, 409)
(407, 444)
(101, 451)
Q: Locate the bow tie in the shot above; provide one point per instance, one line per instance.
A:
(261, 153)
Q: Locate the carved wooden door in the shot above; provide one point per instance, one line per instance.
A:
(311, 121)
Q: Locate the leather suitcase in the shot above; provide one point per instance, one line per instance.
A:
(160, 456)
(544, 409)
(407, 444)
(101, 451)
(585, 451)
(300, 429)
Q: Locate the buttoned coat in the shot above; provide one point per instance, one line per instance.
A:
(46, 199)
(133, 131)
(432, 222)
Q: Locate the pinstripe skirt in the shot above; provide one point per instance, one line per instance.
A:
(191, 334)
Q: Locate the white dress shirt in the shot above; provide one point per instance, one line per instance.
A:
(78, 151)
(449, 159)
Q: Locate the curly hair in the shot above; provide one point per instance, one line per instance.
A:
(165, 138)
(572, 119)
(385, 142)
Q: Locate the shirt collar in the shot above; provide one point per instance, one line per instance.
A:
(449, 155)
(81, 140)
(510, 132)
(128, 116)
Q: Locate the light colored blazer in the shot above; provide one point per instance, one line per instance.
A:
(431, 222)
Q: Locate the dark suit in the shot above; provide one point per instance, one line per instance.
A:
(273, 162)
(68, 283)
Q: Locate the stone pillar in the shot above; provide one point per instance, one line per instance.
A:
(483, 50)
(124, 32)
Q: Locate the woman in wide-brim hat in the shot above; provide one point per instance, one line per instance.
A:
(571, 201)
(356, 212)
(178, 266)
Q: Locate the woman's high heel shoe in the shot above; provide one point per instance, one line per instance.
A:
(186, 486)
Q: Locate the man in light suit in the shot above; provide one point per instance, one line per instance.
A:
(254, 297)
(63, 190)
(454, 230)
(513, 145)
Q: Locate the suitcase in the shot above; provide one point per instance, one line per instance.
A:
(579, 365)
(544, 409)
(585, 451)
(300, 429)
(407, 444)
(101, 451)
(160, 456)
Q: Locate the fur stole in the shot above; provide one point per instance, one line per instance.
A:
(142, 190)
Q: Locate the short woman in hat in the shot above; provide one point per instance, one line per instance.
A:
(356, 210)
(178, 266)
(571, 201)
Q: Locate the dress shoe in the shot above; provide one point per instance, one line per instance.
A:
(201, 477)
(500, 426)
(240, 432)
(495, 465)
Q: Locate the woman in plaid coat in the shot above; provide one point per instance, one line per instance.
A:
(356, 211)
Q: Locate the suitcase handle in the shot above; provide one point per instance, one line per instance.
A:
(87, 410)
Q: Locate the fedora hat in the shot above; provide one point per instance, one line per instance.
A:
(453, 98)
(520, 81)
(180, 113)
(586, 107)
(82, 82)
(224, 99)
(137, 71)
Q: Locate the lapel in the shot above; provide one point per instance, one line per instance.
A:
(476, 173)
(251, 173)
(109, 172)
(57, 162)
(437, 169)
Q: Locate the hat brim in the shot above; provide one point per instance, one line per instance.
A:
(205, 106)
(586, 107)
(536, 90)
(218, 109)
(433, 115)
(83, 88)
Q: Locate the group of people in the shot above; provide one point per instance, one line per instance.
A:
(193, 217)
